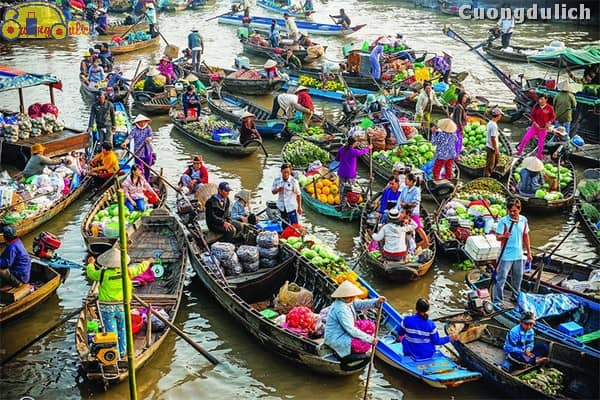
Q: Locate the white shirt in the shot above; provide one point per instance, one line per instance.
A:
(288, 102)
(506, 25)
(422, 101)
(492, 131)
(395, 236)
(287, 201)
(290, 26)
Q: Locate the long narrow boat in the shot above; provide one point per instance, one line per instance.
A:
(587, 156)
(438, 371)
(310, 27)
(97, 244)
(395, 271)
(327, 94)
(162, 237)
(119, 28)
(135, 46)
(481, 349)
(580, 311)
(329, 210)
(532, 203)
(590, 226)
(237, 86)
(244, 296)
(518, 53)
(231, 148)
(584, 205)
(232, 107)
(43, 282)
(278, 8)
(271, 52)
(358, 81)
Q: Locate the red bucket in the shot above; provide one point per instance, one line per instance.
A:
(136, 323)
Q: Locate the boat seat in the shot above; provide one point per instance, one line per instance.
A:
(212, 237)
(589, 337)
(10, 294)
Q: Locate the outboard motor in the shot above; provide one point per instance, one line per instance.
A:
(273, 212)
(45, 244)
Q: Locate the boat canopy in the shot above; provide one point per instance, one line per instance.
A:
(568, 57)
(13, 79)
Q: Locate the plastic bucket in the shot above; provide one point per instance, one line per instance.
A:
(136, 323)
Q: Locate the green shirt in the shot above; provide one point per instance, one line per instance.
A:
(564, 102)
(111, 288)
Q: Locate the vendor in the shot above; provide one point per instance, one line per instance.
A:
(190, 101)
(240, 211)
(15, 262)
(270, 68)
(248, 131)
(394, 235)
(291, 61)
(559, 144)
(390, 195)
(136, 187)
(519, 344)
(106, 57)
(339, 328)
(194, 176)
(165, 67)
(105, 164)
(531, 176)
(38, 161)
(150, 83)
(354, 61)
(218, 217)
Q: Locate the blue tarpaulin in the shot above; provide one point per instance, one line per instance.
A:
(11, 79)
(546, 305)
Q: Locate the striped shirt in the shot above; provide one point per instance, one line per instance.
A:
(420, 337)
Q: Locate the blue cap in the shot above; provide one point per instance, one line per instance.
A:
(224, 186)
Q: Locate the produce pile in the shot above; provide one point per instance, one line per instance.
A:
(121, 129)
(547, 380)
(592, 213)
(417, 152)
(132, 37)
(302, 153)
(465, 265)
(323, 257)
(324, 189)
(210, 127)
(19, 126)
(590, 190)
(550, 173)
(106, 221)
(473, 155)
(332, 85)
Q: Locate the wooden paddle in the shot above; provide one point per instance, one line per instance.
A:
(379, 312)
(232, 11)
(130, 85)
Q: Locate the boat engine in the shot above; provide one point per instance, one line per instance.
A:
(273, 212)
(480, 302)
(104, 348)
(45, 244)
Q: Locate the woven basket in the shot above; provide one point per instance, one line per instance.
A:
(204, 194)
(19, 204)
(471, 334)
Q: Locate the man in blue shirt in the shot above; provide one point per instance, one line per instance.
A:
(519, 343)
(15, 262)
(420, 333)
(513, 233)
(190, 100)
(196, 45)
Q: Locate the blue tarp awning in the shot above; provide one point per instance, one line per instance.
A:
(12, 79)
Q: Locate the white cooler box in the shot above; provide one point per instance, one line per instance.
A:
(482, 247)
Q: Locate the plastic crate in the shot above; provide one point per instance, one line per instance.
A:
(571, 328)
(273, 226)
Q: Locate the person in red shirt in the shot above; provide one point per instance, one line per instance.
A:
(304, 98)
(542, 115)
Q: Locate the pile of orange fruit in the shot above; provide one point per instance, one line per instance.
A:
(325, 190)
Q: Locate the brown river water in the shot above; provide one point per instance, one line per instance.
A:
(49, 369)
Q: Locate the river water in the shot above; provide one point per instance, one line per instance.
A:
(49, 369)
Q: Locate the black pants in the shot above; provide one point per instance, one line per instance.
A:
(506, 39)
(7, 278)
(276, 107)
(228, 236)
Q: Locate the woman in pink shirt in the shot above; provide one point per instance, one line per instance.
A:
(136, 188)
(165, 67)
(542, 115)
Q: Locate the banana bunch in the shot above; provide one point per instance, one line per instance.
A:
(308, 81)
(333, 86)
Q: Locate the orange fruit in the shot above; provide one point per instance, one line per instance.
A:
(319, 185)
(330, 199)
(325, 190)
(322, 198)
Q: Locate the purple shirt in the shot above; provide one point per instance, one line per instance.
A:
(139, 136)
(347, 157)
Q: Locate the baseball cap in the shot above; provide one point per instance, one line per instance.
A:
(497, 111)
(224, 186)
(528, 317)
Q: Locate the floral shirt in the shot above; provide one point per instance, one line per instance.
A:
(445, 145)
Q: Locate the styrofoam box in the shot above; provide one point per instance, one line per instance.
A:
(482, 247)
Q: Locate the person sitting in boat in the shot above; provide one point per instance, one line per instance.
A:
(36, 164)
(347, 155)
(101, 22)
(129, 19)
(95, 74)
(190, 100)
(339, 326)
(270, 68)
(291, 61)
(531, 176)
(137, 190)
(274, 32)
(419, 333)
(304, 40)
(393, 233)
(104, 164)
(240, 211)
(218, 217)
(290, 26)
(444, 140)
(142, 134)
(390, 196)
(559, 144)
(165, 67)
(15, 262)
(110, 291)
(520, 346)
(248, 129)
(117, 81)
(410, 201)
(85, 65)
(152, 82)
(342, 19)
(194, 176)
(106, 58)
(354, 61)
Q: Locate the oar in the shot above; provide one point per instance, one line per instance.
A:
(259, 143)
(41, 336)
(379, 312)
(233, 11)
(130, 85)
(131, 27)
(178, 331)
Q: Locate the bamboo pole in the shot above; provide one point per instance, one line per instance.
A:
(126, 283)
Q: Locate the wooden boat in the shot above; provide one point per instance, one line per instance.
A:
(331, 139)
(393, 270)
(278, 8)
(118, 28)
(99, 244)
(358, 81)
(231, 107)
(244, 296)
(589, 225)
(532, 203)
(183, 5)
(481, 349)
(587, 156)
(120, 6)
(91, 94)
(249, 87)
(270, 52)
(486, 187)
(439, 371)
(161, 236)
(519, 53)
(501, 170)
(44, 280)
(310, 27)
(584, 314)
(135, 46)
(327, 94)
(155, 103)
(230, 148)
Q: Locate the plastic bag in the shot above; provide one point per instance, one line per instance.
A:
(248, 254)
(231, 262)
(291, 295)
(251, 267)
(268, 262)
(272, 252)
(222, 250)
(210, 262)
(267, 239)
(360, 346)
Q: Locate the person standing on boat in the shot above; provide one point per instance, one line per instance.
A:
(492, 148)
(290, 26)
(347, 156)
(506, 26)
(104, 164)
(564, 105)
(102, 115)
(218, 217)
(291, 61)
(339, 326)
(190, 100)
(520, 346)
(353, 62)
(110, 290)
(15, 262)
(531, 176)
(142, 134)
(459, 116)
(196, 45)
(410, 201)
(288, 102)
(36, 164)
(374, 59)
(101, 22)
(289, 197)
(151, 18)
(513, 233)
(444, 140)
(248, 129)
(419, 333)
(308, 6)
(194, 176)
(274, 34)
(393, 233)
(165, 67)
(245, 7)
(305, 100)
(342, 19)
(137, 190)
(542, 115)
(425, 102)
